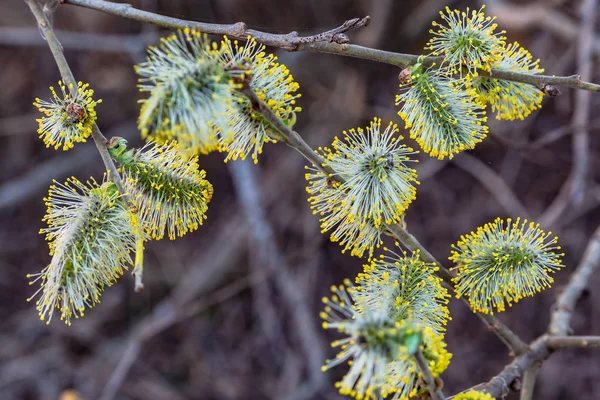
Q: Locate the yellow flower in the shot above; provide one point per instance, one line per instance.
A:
(407, 288)
(273, 84)
(441, 117)
(473, 395)
(169, 190)
(509, 100)
(378, 347)
(377, 186)
(403, 376)
(467, 39)
(504, 262)
(68, 118)
(190, 93)
(90, 236)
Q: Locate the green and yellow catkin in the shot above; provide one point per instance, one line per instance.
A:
(466, 39)
(90, 238)
(439, 114)
(509, 100)
(169, 190)
(407, 288)
(376, 346)
(504, 262)
(68, 117)
(190, 93)
(195, 94)
(371, 187)
(403, 378)
(272, 83)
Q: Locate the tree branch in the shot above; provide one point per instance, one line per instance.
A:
(565, 304)
(563, 342)
(529, 378)
(69, 80)
(434, 391)
(295, 141)
(332, 42)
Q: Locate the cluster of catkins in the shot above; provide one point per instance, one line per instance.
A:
(196, 104)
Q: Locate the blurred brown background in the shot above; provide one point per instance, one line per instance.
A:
(216, 321)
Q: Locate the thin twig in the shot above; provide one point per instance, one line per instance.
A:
(69, 80)
(528, 383)
(493, 183)
(332, 42)
(434, 391)
(563, 342)
(500, 385)
(572, 191)
(565, 304)
(581, 113)
(246, 184)
(291, 137)
(295, 141)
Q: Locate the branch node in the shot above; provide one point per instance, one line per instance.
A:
(550, 90)
(240, 28)
(516, 385)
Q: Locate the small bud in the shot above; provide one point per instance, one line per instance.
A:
(405, 76)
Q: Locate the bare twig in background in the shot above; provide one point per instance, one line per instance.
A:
(563, 342)
(247, 188)
(381, 12)
(573, 189)
(135, 44)
(528, 383)
(334, 41)
(434, 391)
(38, 179)
(565, 304)
(175, 308)
(492, 182)
(537, 14)
(178, 305)
(581, 113)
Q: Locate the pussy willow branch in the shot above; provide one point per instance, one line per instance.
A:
(434, 391)
(69, 80)
(99, 139)
(295, 141)
(332, 42)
